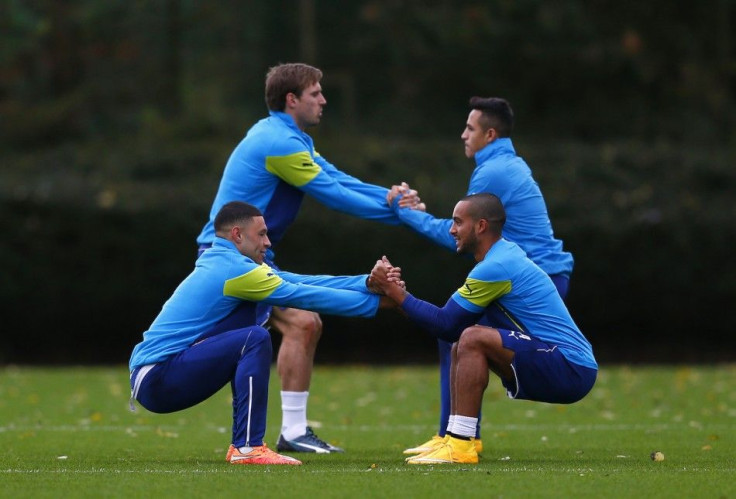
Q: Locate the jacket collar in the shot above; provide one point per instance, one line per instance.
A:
(495, 148)
(286, 118)
(224, 243)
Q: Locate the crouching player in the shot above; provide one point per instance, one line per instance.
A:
(206, 334)
(533, 345)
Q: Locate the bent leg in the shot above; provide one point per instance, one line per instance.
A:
(479, 350)
(242, 357)
(543, 373)
(250, 389)
(300, 331)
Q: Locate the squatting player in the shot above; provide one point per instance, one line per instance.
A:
(499, 171)
(272, 168)
(543, 357)
(206, 334)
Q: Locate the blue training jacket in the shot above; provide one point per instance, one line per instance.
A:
(223, 280)
(275, 165)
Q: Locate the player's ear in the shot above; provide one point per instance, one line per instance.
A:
(491, 135)
(291, 99)
(235, 233)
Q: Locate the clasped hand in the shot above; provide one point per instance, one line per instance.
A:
(386, 279)
(409, 197)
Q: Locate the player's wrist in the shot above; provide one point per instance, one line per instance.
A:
(371, 287)
(397, 294)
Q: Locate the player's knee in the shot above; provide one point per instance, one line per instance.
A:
(316, 324)
(257, 335)
(478, 339)
(469, 339)
(257, 346)
(312, 329)
(254, 339)
(305, 327)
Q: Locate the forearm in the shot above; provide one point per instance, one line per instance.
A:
(396, 293)
(325, 300)
(435, 229)
(386, 302)
(446, 323)
(355, 283)
(368, 204)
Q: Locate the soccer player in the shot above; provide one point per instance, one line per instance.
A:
(272, 168)
(207, 335)
(543, 357)
(487, 138)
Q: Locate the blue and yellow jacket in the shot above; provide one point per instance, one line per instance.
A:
(224, 280)
(275, 165)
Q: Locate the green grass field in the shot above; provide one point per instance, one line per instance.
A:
(68, 432)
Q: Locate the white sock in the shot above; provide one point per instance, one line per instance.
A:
(450, 423)
(293, 414)
(464, 426)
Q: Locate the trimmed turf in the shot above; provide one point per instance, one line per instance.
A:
(67, 432)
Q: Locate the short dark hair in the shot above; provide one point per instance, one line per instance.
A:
(235, 212)
(495, 113)
(488, 207)
(284, 79)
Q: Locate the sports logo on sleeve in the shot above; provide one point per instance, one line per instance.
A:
(482, 293)
(255, 285)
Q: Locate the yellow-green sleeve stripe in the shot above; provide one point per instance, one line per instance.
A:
(256, 285)
(481, 293)
(296, 169)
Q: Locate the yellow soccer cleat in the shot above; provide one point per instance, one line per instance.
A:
(454, 451)
(435, 442)
(258, 455)
(427, 446)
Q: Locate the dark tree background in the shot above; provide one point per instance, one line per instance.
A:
(116, 119)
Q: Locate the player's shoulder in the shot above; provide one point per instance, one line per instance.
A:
(272, 137)
(490, 268)
(247, 264)
(503, 256)
(494, 171)
(224, 255)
